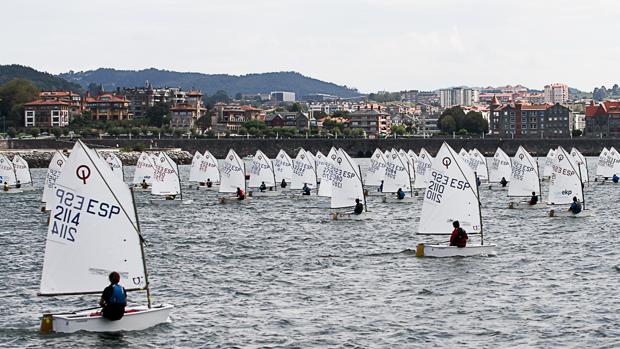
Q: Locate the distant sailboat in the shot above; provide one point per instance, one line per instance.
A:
(8, 179)
(232, 177)
(261, 171)
(397, 176)
(143, 172)
(115, 164)
(304, 171)
(375, 174)
(283, 167)
(422, 166)
(500, 167)
(53, 172)
(166, 181)
(565, 183)
(327, 174)
(583, 164)
(93, 231)
(524, 180)
(22, 173)
(548, 168)
(347, 187)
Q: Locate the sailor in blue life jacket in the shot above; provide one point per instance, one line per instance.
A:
(283, 183)
(359, 207)
(262, 187)
(209, 183)
(381, 187)
(615, 178)
(400, 194)
(114, 299)
(478, 181)
(533, 199)
(503, 182)
(306, 189)
(575, 207)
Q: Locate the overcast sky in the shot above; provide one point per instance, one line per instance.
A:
(368, 44)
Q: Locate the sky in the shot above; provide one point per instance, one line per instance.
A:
(371, 45)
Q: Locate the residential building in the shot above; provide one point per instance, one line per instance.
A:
(233, 116)
(579, 121)
(556, 93)
(73, 99)
(375, 122)
(603, 120)
(319, 97)
(262, 97)
(523, 120)
(451, 97)
(107, 107)
(47, 113)
(297, 120)
(282, 96)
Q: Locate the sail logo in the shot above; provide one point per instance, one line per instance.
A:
(567, 192)
(83, 173)
(560, 157)
(446, 162)
(59, 162)
(521, 156)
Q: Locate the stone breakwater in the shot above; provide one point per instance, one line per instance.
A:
(41, 158)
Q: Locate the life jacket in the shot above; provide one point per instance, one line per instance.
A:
(401, 195)
(118, 295)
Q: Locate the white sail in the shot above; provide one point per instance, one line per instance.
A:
(320, 164)
(450, 196)
(144, 169)
(616, 162)
(194, 169)
(283, 167)
(261, 171)
(605, 165)
(210, 169)
(396, 175)
(376, 170)
(407, 159)
(7, 171)
(564, 183)
(524, 175)
(549, 163)
(479, 164)
(464, 154)
(347, 182)
(422, 165)
(92, 230)
(115, 164)
(303, 171)
(166, 179)
(53, 172)
(328, 173)
(232, 173)
(22, 170)
(582, 163)
(499, 167)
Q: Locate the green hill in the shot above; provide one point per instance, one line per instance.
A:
(44, 81)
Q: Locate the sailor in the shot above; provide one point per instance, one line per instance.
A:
(575, 207)
(18, 184)
(209, 183)
(359, 207)
(144, 184)
(381, 187)
(478, 181)
(503, 182)
(262, 187)
(113, 299)
(240, 194)
(459, 236)
(400, 194)
(533, 199)
(305, 189)
(6, 186)
(170, 197)
(615, 178)
(283, 183)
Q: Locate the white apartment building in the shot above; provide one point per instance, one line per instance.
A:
(556, 93)
(451, 97)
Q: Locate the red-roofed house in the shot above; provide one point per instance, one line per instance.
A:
(42, 113)
(603, 119)
(108, 107)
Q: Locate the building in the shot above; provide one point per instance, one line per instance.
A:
(451, 97)
(523, 120)
(579, 121)
(47, 113)
(282, 96)
(233, 116)
(375, 122)
(556, 93)
(319, 97)
(73, 99)
(142, 98)
(603, 120)
(297, 120)
(184, 116)
(107, 107)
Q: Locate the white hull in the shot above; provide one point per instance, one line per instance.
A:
(267, 193)
(566, 213)
(525, 206)
(350, 216)
(497, 187)
(233, 200)
(139, 188)
(214, 187)
(441, 251)
(393, 198)
(135, 319)
(11, 191)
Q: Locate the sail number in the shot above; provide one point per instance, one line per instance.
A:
(437, 186)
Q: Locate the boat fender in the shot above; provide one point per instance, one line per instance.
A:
(511, 205)
(552, 213)
(419, 251)
(46, 323)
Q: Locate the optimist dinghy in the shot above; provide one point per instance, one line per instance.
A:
(347, 187)
(283, 168)
(397, 175)
(7, 176)
(143, 172)
(524, 180)
(233, 177)
(204, 168)
(53, 172)
(375, 174)
(499, 167)
(166, 182)
(22, 173)
(451, 195)
(564, 184)
(93, 231)
(261, 171)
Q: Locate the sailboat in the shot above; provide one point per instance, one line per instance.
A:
(347, 187)
(304, 172)
(8, 180)
(583, 164)
(564, 184)
(500, 167)
(479, 164)
(452, 195)
(548, 169)
(616, 162)
(22, 173)
(261, 171)
(232, 177)
(397, 176)
(327, 174)
(605, 165)
(93, 231)
(283, 167)
(319, 160)
(166, 181)
(375, 174)
(115, 164)
(53, 172)
(524, 180)
(143, 172)
(422, 166)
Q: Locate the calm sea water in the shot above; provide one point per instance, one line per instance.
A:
(278, 273)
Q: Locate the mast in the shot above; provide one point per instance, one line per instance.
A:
(362, 182)
(479, 211)
(146, 277)
(583, 195)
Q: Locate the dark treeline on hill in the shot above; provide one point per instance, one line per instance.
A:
(209, 84)
(43, 81)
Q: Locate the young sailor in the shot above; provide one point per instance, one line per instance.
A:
(113, 299)
(6, 186)
(306, 189)
(209, 183)
(262, 187)
(359, 207)
(615, 178)
(575, 207)
(283, 183)
(380, 187)
(18, 184)
(478, 181)
(400, 194)
(503, 182)
(459, 236)
(240, 194)
(533, 199)
(144, 184)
